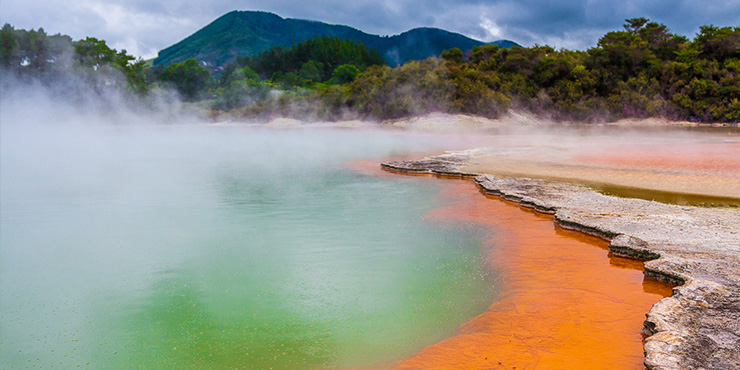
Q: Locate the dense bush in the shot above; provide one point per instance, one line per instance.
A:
(189, 78)
(310, 61)
(641, 71)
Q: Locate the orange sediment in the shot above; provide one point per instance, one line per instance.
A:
(722, 157)
(709, 172)
(564, 301)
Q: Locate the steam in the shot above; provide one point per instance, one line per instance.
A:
(82, 168)
(494, 31)
(68, 100)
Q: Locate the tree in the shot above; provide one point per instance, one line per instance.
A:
(634, 24)
(9, 56)
(312, 60)
(35, 51)
(189, 78)
(453, 55)
(94, 55)
(310, 72)
(345, 73)
(719, 43)
(660, 41)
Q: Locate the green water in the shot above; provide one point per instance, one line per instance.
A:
(223, 248)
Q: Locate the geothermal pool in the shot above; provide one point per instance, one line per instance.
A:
(159, 247)
(205, 246)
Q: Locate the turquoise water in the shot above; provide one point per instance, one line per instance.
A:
(166, 247)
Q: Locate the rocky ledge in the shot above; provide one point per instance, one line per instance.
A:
(697, 249)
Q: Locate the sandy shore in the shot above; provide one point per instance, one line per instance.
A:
(650, 159)
(706, 172)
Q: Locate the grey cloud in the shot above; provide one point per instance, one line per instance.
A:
(145, 26)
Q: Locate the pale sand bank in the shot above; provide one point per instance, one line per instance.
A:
(624, 156)
(686, 181)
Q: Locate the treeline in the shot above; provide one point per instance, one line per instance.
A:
(53, 58)
(310, 61)
(308, 65)
(641, 71)
(76, 69)
(305, 66)
(57, 60)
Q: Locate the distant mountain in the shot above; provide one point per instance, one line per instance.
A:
(241, 33)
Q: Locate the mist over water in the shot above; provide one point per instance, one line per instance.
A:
(144, 238)
(142, 245)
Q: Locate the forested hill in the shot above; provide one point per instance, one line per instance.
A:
(240, 33)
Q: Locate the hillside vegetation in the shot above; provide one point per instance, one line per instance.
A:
(641, 71)
(307, 65)
(310, 61)
(247, 33)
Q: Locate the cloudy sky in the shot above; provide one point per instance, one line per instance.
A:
(143, 27)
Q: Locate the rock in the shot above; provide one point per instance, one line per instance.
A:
(448, 165)
(698, 249)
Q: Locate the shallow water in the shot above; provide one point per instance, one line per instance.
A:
(202, 247)
(564, 301)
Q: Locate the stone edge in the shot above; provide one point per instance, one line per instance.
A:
(661, 333)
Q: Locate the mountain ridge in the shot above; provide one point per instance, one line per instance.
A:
(239, 33)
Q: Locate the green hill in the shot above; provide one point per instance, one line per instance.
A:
(241, 33)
